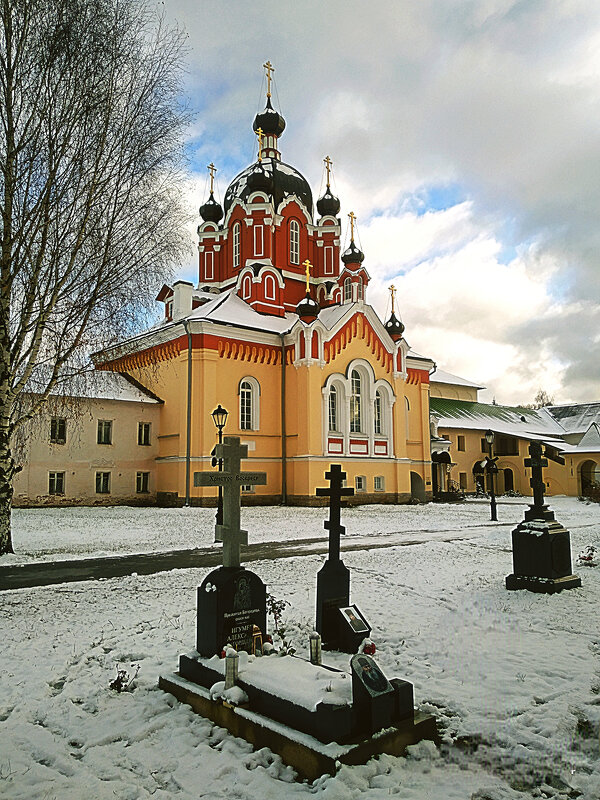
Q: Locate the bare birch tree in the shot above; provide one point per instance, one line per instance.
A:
(90, 137)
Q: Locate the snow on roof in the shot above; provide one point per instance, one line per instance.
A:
(441, 376)
(102, 385)
(229, 309)
(576, 417)
(526, 423)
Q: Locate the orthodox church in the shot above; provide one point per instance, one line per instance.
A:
(278, 332)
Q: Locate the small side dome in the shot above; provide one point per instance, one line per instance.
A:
(353, 255)
(211, 211)
(328, 205)
(307, 309)
(394, 327)
(269, 121)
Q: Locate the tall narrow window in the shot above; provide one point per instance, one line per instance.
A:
(269, 287)
(377, 413)
(142, 482)
(359, 290)
(347, 289)
(58, 430)
(329, 261)
(246, 406)
(294, 242)
(144, 433)
(104, 431)
(258, 240)
(247, 288)
(236, 245)
(333, 409)
(355, 403)
(103, 483)
(209, 266)
(56, 483)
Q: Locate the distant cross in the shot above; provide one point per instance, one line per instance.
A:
(336, 491)
(269, 68)
(328, 164)
(212, 169)
(536, 462)
(231, 479)
(352, 220)
(307, 266)
(259, 133)
(393, 291)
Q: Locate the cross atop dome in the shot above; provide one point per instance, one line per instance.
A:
(269, 121)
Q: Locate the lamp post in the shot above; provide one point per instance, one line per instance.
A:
(489, 437)
(219, 416)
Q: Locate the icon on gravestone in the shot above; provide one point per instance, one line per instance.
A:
(373, 696)
(231, 599)
(354, 618)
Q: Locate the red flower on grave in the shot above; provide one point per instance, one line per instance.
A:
(369, 648)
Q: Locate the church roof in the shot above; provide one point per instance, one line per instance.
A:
(273, 177)
(441, 376)
(576, 417)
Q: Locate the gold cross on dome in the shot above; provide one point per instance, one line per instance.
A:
(352, 221)
(328, 165)
(393, 291)
(308, 266)
(269, 68)
(259, 133)
(212, 169)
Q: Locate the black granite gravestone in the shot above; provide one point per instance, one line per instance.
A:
(333, 579)
(541, 545)
(378, 703)
(352, 628)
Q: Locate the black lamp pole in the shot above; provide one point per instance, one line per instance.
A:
(489, 437)
(219, 416)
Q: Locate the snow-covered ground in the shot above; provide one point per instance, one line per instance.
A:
(513, 677)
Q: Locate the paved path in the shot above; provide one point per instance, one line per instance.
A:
(45, 573)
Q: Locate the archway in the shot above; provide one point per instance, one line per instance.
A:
(589, 474)
(439, 471)
(479, 478)
(509, 480)
(417, 487)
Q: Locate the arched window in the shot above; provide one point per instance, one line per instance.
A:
(249, 392)
(294, 242)
(247, 287)
(359, 290)
(269, 287)
(333, 410)
(347, 289)
(355, 402)
(378, 413)
(236, 245)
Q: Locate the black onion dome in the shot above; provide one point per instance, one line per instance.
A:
(393, 326)
(211, 211)
(307, 307)
(270, 121)
(281, 180)
(329, 204)
(353, 255)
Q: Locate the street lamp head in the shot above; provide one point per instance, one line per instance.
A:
(489, 436)
(219, 416)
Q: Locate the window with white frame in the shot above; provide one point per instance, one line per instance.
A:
(334, 421)
(359, 289)
(56, 483)
(104, 431)
(269, 287)
(329, 260)
(347, 289)
(247, 287)
(360, 483)
(209, 266)
(355, 402)
(379, 483)
(378, 413)
(258, 240)
(249, 392)
(294, 242)
(236, 244)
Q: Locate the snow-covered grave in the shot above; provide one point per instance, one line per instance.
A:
(512, 677)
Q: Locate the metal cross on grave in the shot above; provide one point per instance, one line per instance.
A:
(536, 462)
(231, 479)
(336, 491)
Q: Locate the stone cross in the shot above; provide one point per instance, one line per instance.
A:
(536, 462)
(231, 479)
(336, 491)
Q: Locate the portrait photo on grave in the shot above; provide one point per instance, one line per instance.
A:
(354, 618)
(370, 674)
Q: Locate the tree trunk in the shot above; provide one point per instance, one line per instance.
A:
(7, 470)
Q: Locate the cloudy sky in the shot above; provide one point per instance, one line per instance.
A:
(465, 136)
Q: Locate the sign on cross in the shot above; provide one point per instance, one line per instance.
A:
(231, 479)
(335, 492)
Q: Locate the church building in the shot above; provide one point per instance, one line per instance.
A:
(278, 332)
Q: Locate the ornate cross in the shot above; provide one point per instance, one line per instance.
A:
(307, 266)
(259, 133)
(336, 491)
(393, 291)
(536, 462)
(212, 169)
(269, 68)
(328, 165)
(352, 219)
(231, 479)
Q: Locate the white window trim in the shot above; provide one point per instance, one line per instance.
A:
(294, 242)
(255, 403)
(237, 228)
(269, 281)
(259, 240)
(209, 266)
(328, 260)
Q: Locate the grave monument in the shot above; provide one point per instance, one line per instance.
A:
(541, 545)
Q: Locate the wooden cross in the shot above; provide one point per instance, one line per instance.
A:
(328, 165)
(231, 479)
(393, 292)
(536, 462)
(259, 133)
(212, 169)
(336, 491)
(269, 68)
(352, 219)
(307, 266)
